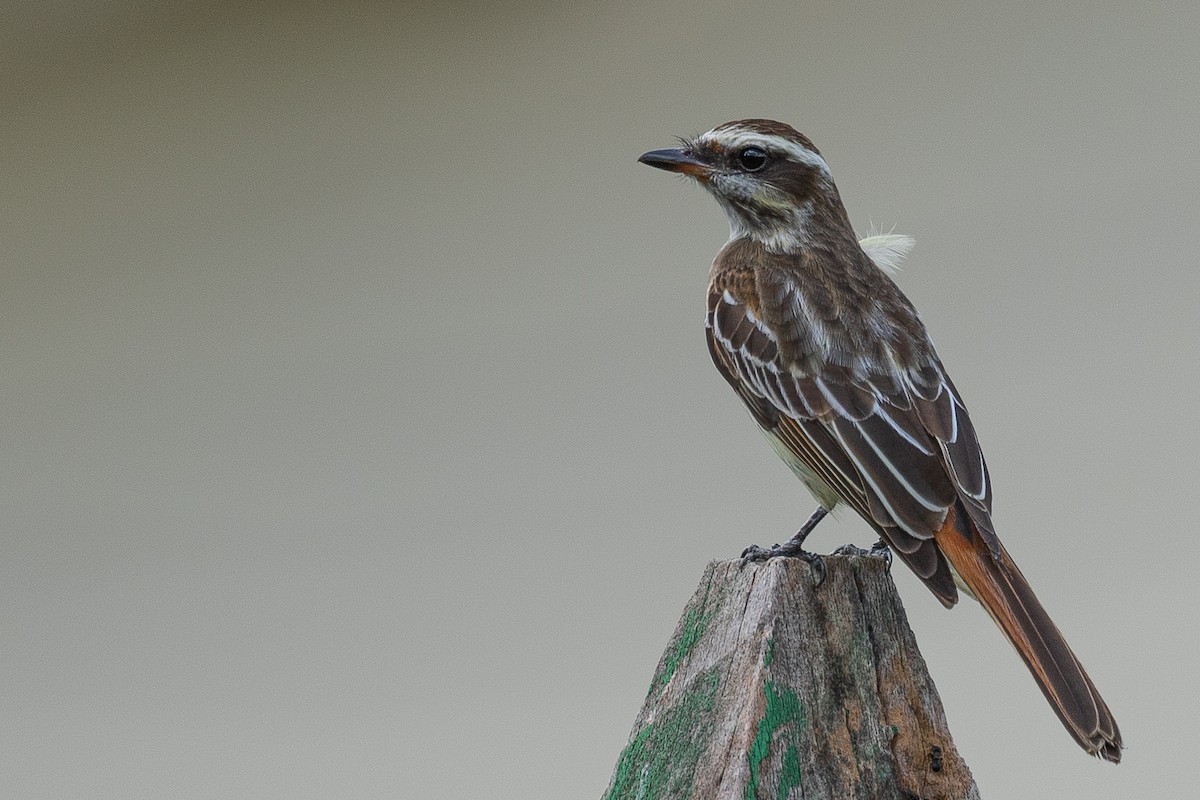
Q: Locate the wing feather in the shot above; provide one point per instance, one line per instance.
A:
(895, 445)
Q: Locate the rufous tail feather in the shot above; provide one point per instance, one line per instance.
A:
(1002, 590)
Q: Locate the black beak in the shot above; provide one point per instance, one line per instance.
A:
(675, 159)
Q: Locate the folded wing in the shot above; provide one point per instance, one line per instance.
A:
(894, 443)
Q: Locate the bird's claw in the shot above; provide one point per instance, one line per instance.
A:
(881, 550)
(878, 550)
(754, 553)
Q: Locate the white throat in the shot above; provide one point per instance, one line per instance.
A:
(786, 235)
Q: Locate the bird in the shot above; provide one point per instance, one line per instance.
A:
(836, 367)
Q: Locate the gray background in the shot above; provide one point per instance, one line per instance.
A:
(360, 438)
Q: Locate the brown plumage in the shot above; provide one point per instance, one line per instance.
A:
(836, 367)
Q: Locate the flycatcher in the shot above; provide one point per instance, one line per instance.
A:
(836, 367)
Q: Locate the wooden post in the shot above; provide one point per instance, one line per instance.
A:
(772, 688)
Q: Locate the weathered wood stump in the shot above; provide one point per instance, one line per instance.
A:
(773, 689)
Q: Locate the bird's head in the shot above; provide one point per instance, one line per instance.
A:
(771, 180)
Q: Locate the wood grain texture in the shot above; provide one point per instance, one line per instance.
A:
(773, 689)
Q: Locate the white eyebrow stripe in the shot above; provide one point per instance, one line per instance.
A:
(737, 138)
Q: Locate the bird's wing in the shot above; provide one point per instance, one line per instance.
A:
(897, 446)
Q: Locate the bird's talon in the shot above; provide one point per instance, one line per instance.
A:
(754, 553)
(818, 565)
(881, 550)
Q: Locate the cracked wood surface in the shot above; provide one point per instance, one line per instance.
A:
(771, 688)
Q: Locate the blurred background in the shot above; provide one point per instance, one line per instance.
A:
(360, 436)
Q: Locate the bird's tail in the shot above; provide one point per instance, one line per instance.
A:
(1002, 590)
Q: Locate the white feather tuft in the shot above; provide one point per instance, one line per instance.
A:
(888, 250)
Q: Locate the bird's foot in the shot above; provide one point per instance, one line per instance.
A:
(878, 550)
(791, 549)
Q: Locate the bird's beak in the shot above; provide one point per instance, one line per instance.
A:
(675, 159)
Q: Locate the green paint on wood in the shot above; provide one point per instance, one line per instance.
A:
(789, 776)
(769, 656)
(634, 753)
(783, 708)
(695, 621)
(693, 629)
(662, 758)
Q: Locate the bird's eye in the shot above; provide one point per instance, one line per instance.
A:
(752, 159)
